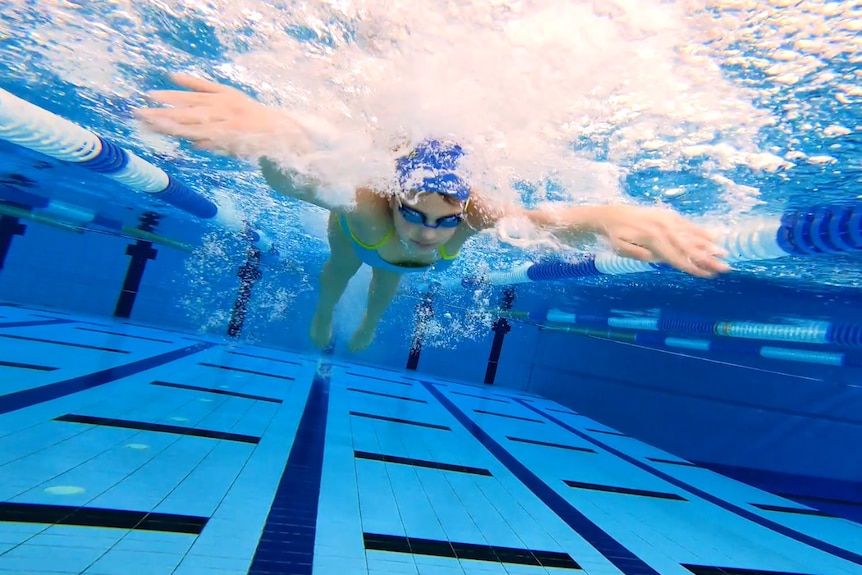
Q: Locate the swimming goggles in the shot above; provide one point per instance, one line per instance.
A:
(417, 217)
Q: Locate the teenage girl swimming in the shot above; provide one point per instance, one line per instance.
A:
(422, 226)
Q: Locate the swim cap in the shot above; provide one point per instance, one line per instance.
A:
(430, 167)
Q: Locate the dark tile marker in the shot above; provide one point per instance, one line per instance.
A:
(98, 517)
(141, 252)
(500, 329)
(249, 274)
(424, 314)
(472, 551)
(9, 228)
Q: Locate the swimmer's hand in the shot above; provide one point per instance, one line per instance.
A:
(223, 119)
(660, 235)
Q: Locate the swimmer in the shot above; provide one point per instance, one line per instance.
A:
(425, 225)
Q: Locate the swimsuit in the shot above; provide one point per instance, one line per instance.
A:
(369, 255)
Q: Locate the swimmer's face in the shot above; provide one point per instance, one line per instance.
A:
(437, 210)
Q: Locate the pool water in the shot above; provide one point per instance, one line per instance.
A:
(163, 411)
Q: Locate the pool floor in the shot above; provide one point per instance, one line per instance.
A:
(126, 449)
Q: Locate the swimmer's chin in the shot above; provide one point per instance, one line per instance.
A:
(422, 246)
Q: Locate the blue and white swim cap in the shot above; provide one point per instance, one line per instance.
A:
(431, 167)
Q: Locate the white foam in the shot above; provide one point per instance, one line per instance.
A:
(516, 82)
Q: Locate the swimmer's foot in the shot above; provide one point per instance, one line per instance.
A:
(321, 328)
(363, 336)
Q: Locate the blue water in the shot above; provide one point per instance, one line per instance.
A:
(137, 436)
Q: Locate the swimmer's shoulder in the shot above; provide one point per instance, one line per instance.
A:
(370, 219)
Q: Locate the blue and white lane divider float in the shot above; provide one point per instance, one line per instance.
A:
(850, 358)
(828, 229)
(62, 211)
(22, 204)
(825, 333)
(38, 130)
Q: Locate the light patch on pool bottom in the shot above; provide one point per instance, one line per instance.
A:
(179, 419)
(138, 446)
(205, 399)
(64, 490)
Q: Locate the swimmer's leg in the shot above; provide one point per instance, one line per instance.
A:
(383, 287)
(337, 271)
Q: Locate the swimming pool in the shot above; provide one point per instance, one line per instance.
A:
(163, 411)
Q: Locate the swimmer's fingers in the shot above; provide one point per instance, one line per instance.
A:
(210, 146)
(698, 262)
(696, 246)
(688, 247)
(199, 84)
(707, 256)
(689, 254)
(661, 252)
(680, 230)
(692, 255)
(681, 259)
(701, 239)
(179, 99)
(662, 235)
(179, 116)
(194, 131)
(633, 251)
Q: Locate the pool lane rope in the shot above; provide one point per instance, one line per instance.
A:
(830, 229)
(836, 358)
(39, 130)
(821, 230)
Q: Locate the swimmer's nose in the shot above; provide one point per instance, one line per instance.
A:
(428, 234)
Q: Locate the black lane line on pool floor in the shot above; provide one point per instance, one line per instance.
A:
(63, 343)
(550, 444)
(792, 510)
(248, 371)
(469, 551)
(43, 393)
(216, 391)
(614, 551)
(30, 366)
(845, 554)
(712, 570)
(156, 427)
(263, 357)
(399, 420)
(508, 416)
(623, 490)
(352, 374)
(387, 395)
(482, 397)
(127, 335)
(99, 517)
(398, 460)
(287, 542)
(34, 323)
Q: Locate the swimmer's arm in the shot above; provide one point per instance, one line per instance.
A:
(291, 185)
(642, 233)
(369, 210)
(242, 127)
(571, 224)
(295, 186)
